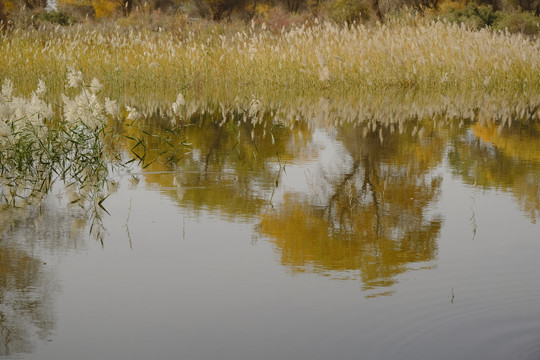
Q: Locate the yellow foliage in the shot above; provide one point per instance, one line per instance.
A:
(262, 10)
(8, 5)
(76, 2)
(446, 6)
(104, 8)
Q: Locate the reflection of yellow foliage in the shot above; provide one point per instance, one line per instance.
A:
(519, 145)
(427, 154)
(224, 167)
(11, 259)
(514, 165)
(308, 241)
(304, 240)
(373, 224)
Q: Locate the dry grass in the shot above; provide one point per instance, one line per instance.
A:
(432, 63)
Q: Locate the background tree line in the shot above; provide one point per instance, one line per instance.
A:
(478, 12)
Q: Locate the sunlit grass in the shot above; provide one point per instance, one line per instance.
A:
(209, 65)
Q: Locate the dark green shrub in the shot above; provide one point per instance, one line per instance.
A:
(294, 5)
(78, 11)
(348, 11)
(527, 5)
(519, 22)
(475, 16)
(55, 17)
(218, 9)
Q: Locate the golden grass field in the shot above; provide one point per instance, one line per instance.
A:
(406, 67)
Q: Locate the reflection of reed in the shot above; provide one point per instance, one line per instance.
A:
(473, 216)
(50, 227)
(311, 184)
(126, 225)
(374, 110)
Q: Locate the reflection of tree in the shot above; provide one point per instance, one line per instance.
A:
(506, 158)
(25, 304)
(227, 166)
(375, 217)
(27, 285)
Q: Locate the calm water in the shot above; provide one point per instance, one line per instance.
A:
(414, 242)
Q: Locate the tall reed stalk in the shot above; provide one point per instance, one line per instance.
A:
(306, 62)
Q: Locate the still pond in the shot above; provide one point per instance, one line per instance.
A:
(414, 241)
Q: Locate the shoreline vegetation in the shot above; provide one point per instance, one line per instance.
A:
(435, 67)
(71, 93)
(382, 60)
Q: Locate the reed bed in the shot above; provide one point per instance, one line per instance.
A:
(71, 97)
(74, 145)
(433, 61)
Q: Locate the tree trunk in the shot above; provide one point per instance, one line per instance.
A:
(375, 6)
(3, 16)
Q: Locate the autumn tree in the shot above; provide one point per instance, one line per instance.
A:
(527, 5)
(18, 4)
(218, 9)
(294, 5)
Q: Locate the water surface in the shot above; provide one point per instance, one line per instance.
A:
(413, 241)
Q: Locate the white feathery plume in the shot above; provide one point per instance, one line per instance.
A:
(74, 78)
(133, 113)
(112, 108)
(178, 104)
(95, 86)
